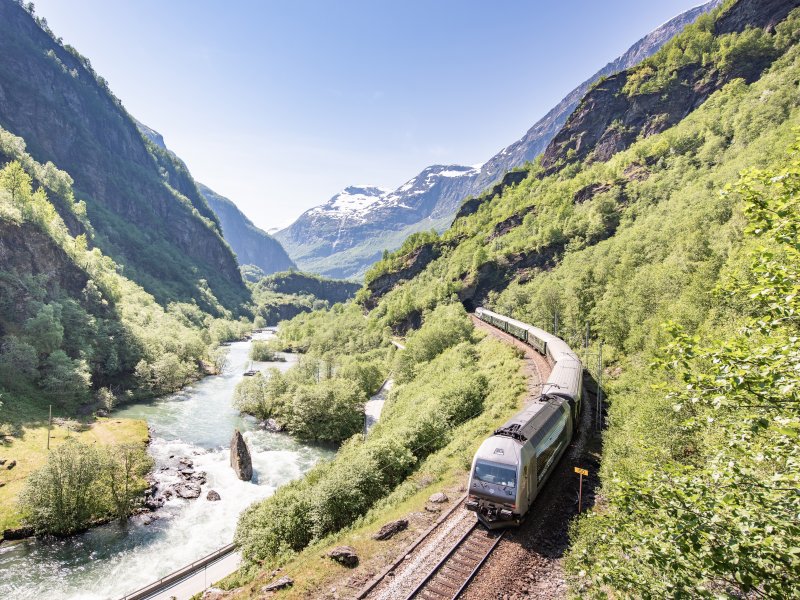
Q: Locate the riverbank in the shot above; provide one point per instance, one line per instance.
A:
(27, 449)
(115, 559)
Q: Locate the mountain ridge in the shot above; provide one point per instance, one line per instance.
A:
(310, 239)
(145, 208)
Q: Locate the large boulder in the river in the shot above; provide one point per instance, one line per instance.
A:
(213, 496)
(240, 457)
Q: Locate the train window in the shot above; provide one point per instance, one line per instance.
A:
(494, 473)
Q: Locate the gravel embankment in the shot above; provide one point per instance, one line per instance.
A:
(420, 561)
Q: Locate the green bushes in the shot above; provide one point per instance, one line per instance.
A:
(322, 397)
(719, 519)
(80, 484)
(447, 379)
(312, 400)
(446, 327)
(262, 351)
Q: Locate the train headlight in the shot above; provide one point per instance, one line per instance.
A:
(506, 514)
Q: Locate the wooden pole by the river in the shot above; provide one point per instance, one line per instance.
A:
(49, 425)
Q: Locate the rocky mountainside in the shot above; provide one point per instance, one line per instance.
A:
(145, 207)
(624, 109)
(338, 239)
(253, 246)
(349, 232)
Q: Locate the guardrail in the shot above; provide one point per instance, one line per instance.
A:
(179, 575)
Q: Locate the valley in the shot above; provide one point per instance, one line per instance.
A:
(401, 393)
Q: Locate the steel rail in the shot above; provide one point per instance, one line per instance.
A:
(446, 559)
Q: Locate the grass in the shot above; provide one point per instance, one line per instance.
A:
(28, 446)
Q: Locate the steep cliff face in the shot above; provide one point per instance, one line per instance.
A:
(26, 250)
(148, 214)
(325, 240)
(252, 245)
(611, 116)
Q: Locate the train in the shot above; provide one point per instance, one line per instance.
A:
(512, 466)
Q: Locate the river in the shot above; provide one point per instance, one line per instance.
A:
(109, 561)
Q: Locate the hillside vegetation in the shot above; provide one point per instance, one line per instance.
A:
(76, 334)
(674, 238)
(285, 295)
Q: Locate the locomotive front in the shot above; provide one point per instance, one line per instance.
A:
(495, 485)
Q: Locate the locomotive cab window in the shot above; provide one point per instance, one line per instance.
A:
(496, 474)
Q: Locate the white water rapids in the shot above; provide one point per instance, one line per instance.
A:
(113, 560)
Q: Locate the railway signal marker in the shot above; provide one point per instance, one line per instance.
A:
(581, 472)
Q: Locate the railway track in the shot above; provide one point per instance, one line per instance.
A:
(448, 578)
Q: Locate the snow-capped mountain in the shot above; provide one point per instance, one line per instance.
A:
(344, 236)
(354, 202)
(360, 214)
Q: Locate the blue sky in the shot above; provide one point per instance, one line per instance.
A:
(280, 104)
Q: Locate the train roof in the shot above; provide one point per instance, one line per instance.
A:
(558, 345)
(565, 379)
(534, 421)
(503, 450)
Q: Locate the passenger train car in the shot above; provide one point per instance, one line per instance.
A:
(511, 467)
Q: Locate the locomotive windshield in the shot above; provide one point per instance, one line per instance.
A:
(496, 474)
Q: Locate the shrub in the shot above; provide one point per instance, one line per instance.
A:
(80, 484)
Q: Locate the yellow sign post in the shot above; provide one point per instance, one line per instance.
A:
(580, 472)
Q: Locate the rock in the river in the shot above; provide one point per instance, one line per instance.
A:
(154, 503)
(11, 465)
(187, 491)
(438, 498)
(213, 496)
(147, 519)
(240, 457)
(18, 533)
(391, 529)
(344, 555)
(282, 583)
(274, 426)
